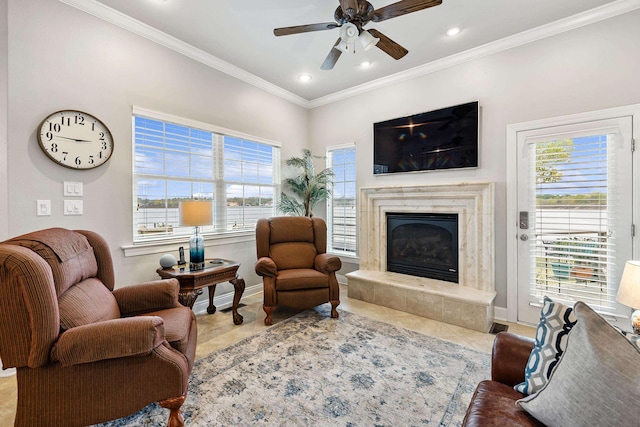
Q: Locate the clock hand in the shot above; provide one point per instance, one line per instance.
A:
(73, 139)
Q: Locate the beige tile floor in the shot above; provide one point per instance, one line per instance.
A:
(217, 331)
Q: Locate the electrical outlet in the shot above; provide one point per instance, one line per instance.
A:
(43, 207)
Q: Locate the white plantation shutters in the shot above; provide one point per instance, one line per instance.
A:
(178, 159)
(574, 212)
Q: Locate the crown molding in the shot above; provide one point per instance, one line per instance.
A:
(128, 23)
(588, 17)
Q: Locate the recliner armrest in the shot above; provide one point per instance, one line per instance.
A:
(509, 357)
(327, 263)
(265, 266)
(149, 296)
(110, 339)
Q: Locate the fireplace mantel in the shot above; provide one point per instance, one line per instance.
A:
(468, 303)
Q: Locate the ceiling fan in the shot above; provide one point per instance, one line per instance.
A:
(351, 16)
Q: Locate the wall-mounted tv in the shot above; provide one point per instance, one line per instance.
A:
(440, 139)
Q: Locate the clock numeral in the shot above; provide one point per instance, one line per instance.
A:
(64, 155)
(49, 136)
(93, 126)
(54, 147)
(66, 121)
(55, 127)
(78, 162)
(91, 160)
(79, 120)
(101, 136)
(104, 145)
(100, 154)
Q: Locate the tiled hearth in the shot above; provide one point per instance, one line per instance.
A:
(470, 302)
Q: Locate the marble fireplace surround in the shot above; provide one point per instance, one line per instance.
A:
(470, 302)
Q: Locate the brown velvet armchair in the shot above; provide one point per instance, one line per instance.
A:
(297, 272)
(85, 353)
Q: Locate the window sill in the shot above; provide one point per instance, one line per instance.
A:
(172, 245)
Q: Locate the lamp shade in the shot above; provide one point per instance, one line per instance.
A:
(196, 213)
(367, 40)
(629, 289)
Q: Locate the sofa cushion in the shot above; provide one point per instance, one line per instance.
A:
(68, 253)
(293, 255)
(177, 326)
(597, 381)
(493, 404)
(303, 278)
(87, 302)
(556, 321)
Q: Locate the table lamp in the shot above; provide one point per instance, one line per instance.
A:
(195, 213)
(629, 291)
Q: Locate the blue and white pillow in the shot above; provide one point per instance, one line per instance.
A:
(556, 321)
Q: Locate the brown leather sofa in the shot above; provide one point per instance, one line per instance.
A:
(84, 352)
(494, 401)
(297, 272)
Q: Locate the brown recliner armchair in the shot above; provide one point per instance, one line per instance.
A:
(297, 272)
(85, 353)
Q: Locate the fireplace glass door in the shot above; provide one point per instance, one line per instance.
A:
(424, 245)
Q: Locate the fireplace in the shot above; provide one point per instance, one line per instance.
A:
(467, 303)
(423, 245)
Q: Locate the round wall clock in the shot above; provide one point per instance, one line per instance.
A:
(75, 139)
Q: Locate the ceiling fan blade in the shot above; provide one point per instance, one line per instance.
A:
(296, 29)
(332, 58)
(388, 46)
(402, 8)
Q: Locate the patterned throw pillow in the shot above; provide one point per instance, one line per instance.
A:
(596, 381)
(556, 321)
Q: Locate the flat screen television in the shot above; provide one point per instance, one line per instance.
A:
(440, 139)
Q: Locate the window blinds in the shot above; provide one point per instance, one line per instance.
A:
(342, 202)
(573, 248)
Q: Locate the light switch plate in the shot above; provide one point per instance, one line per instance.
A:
(73, 207)
(43, 207)
(72, 189)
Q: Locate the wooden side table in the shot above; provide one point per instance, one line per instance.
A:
(192, 282)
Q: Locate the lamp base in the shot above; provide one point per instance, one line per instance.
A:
(635, 322)
(196, 252)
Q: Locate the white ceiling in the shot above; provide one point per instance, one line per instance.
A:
(236, 36)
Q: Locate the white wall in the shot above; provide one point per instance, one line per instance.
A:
(4, 195)
(586, 69)
(62, 58)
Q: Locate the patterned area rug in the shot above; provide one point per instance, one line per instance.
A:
(311, 370)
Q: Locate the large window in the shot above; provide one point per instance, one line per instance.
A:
(341, 205)
(178, 159)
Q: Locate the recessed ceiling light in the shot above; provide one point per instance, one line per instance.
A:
(304, 78)
(365, 64)
(453, 31)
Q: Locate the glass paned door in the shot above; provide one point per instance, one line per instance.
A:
(575, 214)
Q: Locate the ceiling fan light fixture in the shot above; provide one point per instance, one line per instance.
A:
(367, 40)
(348, 33)
(343, 47)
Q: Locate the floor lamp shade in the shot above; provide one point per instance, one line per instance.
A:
(196, 213)
(629, 291)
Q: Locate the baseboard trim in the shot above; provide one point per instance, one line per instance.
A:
(500, 313)
(225, 300)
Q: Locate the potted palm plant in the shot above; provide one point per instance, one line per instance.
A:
(304, 191)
